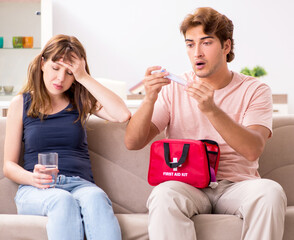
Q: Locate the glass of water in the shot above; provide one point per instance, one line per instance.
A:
(50, 161)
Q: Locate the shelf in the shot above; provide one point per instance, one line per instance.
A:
(19, 48)
(135, 96)
(7, 97)
(20, 1)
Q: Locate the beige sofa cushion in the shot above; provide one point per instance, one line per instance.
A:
(116, 170)
(22, 227)
(277, 160)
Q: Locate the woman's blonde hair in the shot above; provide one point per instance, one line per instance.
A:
(59, 46)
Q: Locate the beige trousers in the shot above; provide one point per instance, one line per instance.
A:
(261, 203)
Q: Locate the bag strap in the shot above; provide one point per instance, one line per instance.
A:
(182, 159)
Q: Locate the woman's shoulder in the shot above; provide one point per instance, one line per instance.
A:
(17, 100)
(16, 104)
(20, 98)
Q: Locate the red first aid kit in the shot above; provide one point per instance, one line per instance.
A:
(194, 162)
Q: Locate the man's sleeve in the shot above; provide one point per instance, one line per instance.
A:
(260, 108)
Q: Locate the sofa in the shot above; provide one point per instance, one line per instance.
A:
(123, 176)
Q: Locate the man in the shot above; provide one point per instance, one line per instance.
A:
(230, 108)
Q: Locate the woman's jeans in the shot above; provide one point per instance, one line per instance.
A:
(72, 203)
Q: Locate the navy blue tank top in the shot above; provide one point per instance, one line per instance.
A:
(57, 133)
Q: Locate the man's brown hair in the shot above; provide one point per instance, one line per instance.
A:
(213, 23)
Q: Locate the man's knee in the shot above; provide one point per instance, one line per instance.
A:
(160, 195)
(270, 194)
(274, 194)
(173, 194)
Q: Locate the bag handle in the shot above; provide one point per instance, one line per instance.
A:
(167, 155)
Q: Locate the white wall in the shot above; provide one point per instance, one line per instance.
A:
(123, 38)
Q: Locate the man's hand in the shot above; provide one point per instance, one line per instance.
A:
(203, 93)
(140, 129)
(247, 141)
(154, 82)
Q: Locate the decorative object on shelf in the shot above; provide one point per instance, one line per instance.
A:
(257, 71)
(17, 42)
(1, 42)
(27, 42)
(138, 89)
(8, 89)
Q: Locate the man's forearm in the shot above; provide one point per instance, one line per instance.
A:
(246, 141)
(138, 129)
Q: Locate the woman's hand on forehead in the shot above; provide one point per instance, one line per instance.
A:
(76, 65)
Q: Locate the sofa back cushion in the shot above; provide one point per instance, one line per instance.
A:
(7, 187)
(121, 173)
(277, 160)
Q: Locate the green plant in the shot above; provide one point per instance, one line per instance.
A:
(257, 71)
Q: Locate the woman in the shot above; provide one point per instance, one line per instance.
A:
(50, 116)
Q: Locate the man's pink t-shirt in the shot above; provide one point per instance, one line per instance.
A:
(245, 99)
